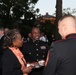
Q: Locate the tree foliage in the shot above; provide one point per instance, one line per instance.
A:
(11, 12)
(49, 29)
(69, 11)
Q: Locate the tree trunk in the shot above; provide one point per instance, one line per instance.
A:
(58, 16)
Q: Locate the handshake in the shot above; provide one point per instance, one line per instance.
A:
(36, 64)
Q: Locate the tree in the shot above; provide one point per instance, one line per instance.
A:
(69, 11)
(48, 28)
(11, 11)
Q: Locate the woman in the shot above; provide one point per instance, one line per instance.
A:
(13, 62)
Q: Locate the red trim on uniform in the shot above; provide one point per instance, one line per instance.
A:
(60, 40)
(48, 56)
(72, 37)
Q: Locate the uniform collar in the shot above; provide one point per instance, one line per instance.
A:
(34, 40)
(71, 35)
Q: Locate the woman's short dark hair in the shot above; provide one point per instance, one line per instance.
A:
(10, 37)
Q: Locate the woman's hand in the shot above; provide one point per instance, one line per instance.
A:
(27, 70)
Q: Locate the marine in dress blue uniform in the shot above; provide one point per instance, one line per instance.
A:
(62, 54)
(35, 50)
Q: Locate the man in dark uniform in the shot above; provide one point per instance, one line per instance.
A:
(35, 50)
(62, 55)
(1, 44)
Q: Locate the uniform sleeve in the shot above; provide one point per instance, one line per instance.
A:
(50, 68)
(8, 65)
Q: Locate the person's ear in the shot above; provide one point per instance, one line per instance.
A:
(14, 44)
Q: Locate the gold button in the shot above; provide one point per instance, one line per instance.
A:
(30, 53)
(37, 59)
(37, 54)
(33, 41)
(43, 52)
(36, 44)
(37, 49)
(43, 56)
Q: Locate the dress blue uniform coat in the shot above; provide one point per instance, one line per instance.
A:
(33, 52)
(62, 59)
